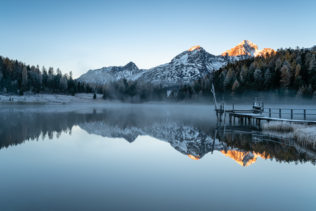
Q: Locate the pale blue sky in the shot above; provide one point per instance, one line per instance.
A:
(77, 35)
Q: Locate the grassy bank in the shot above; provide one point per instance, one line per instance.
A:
(303, 134)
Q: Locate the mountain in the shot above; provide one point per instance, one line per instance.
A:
(247, 49)
(185, 68)
(109, 74)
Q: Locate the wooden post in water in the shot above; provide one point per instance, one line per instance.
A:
(304, 114)
(270, 112)
(291, 113)
(280, 115)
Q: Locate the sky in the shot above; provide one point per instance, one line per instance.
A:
(77, 35)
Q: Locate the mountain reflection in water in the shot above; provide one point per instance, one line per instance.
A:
(193, 134)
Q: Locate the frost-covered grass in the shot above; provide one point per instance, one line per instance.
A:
(306, 136)
(303, 134)
(279, 126)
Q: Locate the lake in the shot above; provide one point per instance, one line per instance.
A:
(146, 157)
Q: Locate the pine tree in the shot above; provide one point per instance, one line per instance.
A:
(285, 76)
(229, 78)
(235, 86)
(257, 75)
(267, 78)
(24, 78)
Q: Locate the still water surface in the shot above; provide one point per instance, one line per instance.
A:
(146, 157)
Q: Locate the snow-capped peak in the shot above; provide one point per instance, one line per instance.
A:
(194, 48)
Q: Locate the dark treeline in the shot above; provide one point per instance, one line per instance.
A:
(16, 77)
(287, 71)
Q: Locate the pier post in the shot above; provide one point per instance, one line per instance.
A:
(258, 122)
(291, 113)
(270, 112)
(304, 114)
(280, 115)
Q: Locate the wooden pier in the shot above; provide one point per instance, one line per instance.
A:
(257, 114)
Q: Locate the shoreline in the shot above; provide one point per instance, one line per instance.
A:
(47, 99)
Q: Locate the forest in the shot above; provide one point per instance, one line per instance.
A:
(17, 78)
(288, 71)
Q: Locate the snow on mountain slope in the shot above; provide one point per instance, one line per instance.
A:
(185, 67)
(110, 74)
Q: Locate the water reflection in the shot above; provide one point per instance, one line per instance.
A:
(194, 134)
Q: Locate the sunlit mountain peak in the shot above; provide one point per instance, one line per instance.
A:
(248, 48)
(194, 48)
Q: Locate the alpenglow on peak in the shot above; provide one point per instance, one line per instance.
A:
(247, 48)
(194, 48)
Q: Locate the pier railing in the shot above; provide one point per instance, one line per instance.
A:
(256, 115)
(290, 113)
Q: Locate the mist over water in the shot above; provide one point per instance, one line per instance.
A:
(146, 157)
